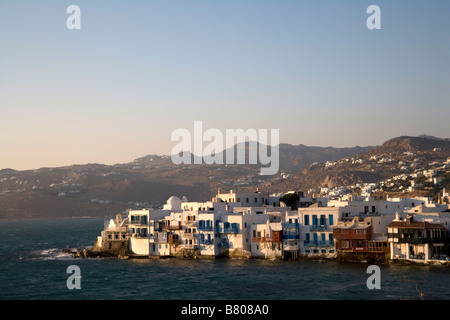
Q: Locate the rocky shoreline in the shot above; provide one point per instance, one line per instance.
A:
(86, 252)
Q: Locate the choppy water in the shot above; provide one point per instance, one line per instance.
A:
(33, 267)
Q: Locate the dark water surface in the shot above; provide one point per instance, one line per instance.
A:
(32, 267)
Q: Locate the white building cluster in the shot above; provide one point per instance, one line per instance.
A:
(259, 225)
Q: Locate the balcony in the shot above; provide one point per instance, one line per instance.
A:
(189, 222)
(290, 235)
(276, 237)
(423, 240)
(318, 244)
(317, 228)
(291, 248)
(173, 226)
(189, 235)
(233, 229)
(205, 228)
(206, 241)
(349, 234)
(290, 225)
(173, 239)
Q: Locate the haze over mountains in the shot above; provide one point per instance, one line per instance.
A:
(97, 190)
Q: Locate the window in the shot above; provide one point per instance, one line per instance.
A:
(330, 219)
(306, 220)
(256, 200)
(314, 220)
(322, 220)
(246, 200)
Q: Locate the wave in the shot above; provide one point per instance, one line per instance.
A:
(54, 254)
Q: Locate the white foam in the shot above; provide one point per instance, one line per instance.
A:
(54, 254)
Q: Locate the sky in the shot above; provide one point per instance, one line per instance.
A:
(117, 88)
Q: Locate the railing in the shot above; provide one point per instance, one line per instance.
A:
(189, 222)
(189, 246)
(291, 248)
(319, 243)
(317, 228)
(228, 230)
(290, 224)
(423, 240)
(291, 236)
(266, 239)
(206, 241)
(174, 241)
(173, 226)
(189, 235)
(205, 228)
(351, 236)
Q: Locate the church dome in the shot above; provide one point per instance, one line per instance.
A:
(174, 203)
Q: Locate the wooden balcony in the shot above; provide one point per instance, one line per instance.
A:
(173, 226)
(275, 237)
(173, 239)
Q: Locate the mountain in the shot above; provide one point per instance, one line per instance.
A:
(398, 156)
(97, 190)
(104, 190)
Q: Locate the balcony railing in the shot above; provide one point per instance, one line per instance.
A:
(290, 224)
(319, 243)
(189, 222)
(266, 239)
(205, 228)
(206, 241)
(189, 235)
(317, 227)
(291, 236)
(228, 229)
(174, 241)
(174, 226)
(423, 240)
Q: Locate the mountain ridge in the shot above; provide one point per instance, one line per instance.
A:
(148, 181)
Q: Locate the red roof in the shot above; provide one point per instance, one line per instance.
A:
(415, 225)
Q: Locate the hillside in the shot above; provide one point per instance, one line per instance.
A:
(102, 190)
(405, 157)
(97, 190)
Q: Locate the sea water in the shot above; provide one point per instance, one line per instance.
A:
(32, 266)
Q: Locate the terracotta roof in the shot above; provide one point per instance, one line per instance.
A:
(415, 225)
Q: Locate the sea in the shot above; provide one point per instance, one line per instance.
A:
(34, 267)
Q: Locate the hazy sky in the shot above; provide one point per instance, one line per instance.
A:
(137, 70)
